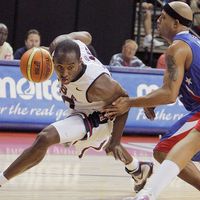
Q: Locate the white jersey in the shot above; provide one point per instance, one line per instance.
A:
(76, 92)
(86, 55)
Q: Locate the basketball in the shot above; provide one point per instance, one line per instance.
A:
(36, 65)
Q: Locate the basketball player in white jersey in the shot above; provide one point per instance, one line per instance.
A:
(86, 85)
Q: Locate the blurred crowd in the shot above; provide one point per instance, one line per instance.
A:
(127, 57)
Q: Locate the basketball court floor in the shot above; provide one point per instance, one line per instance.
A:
(63, 176)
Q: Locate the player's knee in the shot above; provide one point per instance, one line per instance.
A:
(43, 140)
(156, 155)
(47, 137)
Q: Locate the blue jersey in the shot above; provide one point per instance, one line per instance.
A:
(189, 93)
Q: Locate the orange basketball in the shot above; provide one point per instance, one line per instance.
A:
(36, 65)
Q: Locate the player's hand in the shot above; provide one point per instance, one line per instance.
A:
(118, 107)
(149, 112)
(114, 149)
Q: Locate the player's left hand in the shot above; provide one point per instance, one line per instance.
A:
(118, 107)
(149, 112)
(115, 150)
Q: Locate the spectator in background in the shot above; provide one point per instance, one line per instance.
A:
(161, 64)
(6, 51)
(127, 56)
(32, 39)
(147, 9)
(185, 1)
(195, 6)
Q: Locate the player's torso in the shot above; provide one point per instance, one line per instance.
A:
(190, 87)
(76, 92)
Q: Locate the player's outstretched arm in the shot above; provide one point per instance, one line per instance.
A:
(83, 36)
(176, 59)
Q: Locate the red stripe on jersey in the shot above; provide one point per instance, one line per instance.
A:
(167, 144)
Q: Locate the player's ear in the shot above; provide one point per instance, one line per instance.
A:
(176, 23)
(80, 61)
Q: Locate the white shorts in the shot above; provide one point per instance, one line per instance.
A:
(72, 130)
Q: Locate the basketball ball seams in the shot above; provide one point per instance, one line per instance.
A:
(26, 68)
(47, 72)
(51, 66)
(42, 70)
(49, 63)
(30, 62)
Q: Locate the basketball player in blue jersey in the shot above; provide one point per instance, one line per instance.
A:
(181, 145)
(86, 85)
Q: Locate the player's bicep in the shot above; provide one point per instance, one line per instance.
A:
(173, 76)
(113, 91)
(106, 89)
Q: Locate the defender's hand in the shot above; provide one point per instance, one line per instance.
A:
(149, 112)
(118, 107)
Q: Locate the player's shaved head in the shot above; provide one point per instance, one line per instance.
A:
(65, 47)
(182, 9)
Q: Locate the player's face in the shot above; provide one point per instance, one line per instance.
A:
(33, 40)
(165, 25)
(67, 67)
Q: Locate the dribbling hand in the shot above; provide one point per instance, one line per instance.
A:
(115, 150)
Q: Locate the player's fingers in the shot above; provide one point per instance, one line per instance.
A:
(121, 155)
(149, 113)
(107, 109)
(115, 154)
(110, 153)
(117, 101)
(107, 149)
(110, 114)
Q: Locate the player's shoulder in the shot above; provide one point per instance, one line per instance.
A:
(104, 87)
(178, 47)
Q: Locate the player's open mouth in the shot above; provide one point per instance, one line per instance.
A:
(64, 80)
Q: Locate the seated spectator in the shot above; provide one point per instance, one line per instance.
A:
(32, 39)
(147, 9)
(195, 6)
(127, 56)
(185, 1)
(161, 62)
(6, 51)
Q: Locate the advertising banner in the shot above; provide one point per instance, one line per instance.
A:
(31, 106)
